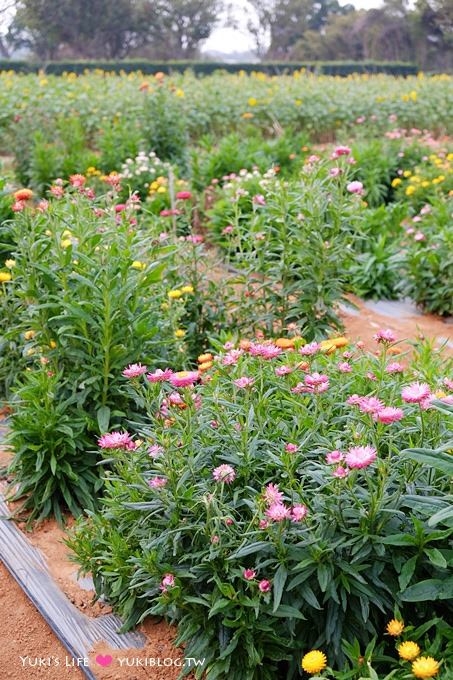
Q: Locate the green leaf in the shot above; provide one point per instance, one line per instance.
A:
(433, 457)
(279, 583)
(407, 572)
(436, 557)
(103, 418)
(431, 589)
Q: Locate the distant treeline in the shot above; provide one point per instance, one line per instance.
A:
(334, 68)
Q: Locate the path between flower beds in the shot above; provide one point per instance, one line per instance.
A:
(26, 632)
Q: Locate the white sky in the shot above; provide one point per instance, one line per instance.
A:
(230, 40)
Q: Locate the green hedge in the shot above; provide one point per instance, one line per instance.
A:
(337, 68)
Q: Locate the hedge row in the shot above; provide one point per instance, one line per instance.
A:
(335, 68)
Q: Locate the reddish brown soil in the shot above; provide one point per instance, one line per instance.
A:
(26, 633)
(363, 324)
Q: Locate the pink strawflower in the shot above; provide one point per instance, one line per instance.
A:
(419, 236)
(157, 482)
(265, 351)
(214, 424)
(389, 414)
(370, 404)
(155, 450)
(298, 512)
(341, 151)
(56, 191)
(360, 344)
(228, 229)
(259, 200)
(116, 440)
(360, 456)
(184, 378)
(249, 574)
(77, 180)
(183, 195)
(215, 539)
(340, 472)
(317, 382)
(42, 205)
(355, 188)
(353, 400)
(385, 335)
(278, 512)
(370, 375)
(282, 370)
(291, 448)
(120, 207)
(394, 367)
(244, 382)
(310, 349)
(224, 473)
(335, 172)
(228, 345)
(313, 158)
(416, 392)
(299, 388)
(159, 375)
(448, 383)
(229, 522)
(344, 367)
(232, 357)
(334, 457)
(264, 585)
(168, 581)
(272, 494)
(134, 370)
(18, 206)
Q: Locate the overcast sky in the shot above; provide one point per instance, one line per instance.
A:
(231, 40)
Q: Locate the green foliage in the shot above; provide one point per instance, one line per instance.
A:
(428, 260)
(53, 465)
(364, 545)
(84, 310)
(336, 68)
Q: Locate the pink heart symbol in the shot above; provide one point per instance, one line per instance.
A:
(104, 660)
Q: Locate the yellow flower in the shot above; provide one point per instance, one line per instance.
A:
(247, 115)
(425, 667)
(408, 650)
(161, 190)
(29, 335)
(164, 306)
(205, 366)
(410, 190)
(298, 102)
(395, 627)
(180, 333)
(5, 277)
(252, 101)
(187, 289)
(66, 242)
(407, 173)
(52, 344)
(314, 662)
(175, 294)
(10, 263)
(138, 265)
(396, 182)
(179, 92)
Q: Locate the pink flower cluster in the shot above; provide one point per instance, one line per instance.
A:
(265, 351)
(314, 383)
(224, 473)
(376, 408)
(116, 440)
(385, 335)
(356, 457)
(277, 511)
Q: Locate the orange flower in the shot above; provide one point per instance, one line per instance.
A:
(285, 343)
(204, 357)
(159, 75)
(245, 344)
(23, 194)
(205, 366)
(144, 86)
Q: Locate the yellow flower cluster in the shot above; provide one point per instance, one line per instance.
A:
(422, 666)
(437, 171)
(93, 172)
(158, 186)
(177, 293)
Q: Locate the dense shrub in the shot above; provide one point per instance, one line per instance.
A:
(283, 504)
(87, 303)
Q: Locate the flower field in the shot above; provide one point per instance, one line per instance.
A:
(175, 256)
